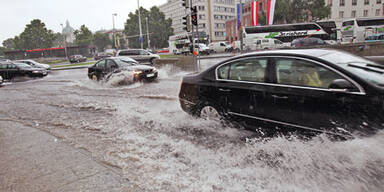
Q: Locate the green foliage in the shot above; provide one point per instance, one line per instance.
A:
(319, 10)
(295, 11)
(35, 35)
(101, 40)
(9, 43)
(83, 36)
(2, 49)
(158, 25)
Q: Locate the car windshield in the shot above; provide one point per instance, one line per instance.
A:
(125, 62)
(23, 65)
(366, 69)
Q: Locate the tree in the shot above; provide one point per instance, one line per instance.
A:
(319, 10)
(159, 28)
(9, 43)
(83, 36)
(294, 11)
(35, 35)
(101, 40)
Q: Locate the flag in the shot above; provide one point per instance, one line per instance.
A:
(255, 8)
(270, 11)
(238, 14)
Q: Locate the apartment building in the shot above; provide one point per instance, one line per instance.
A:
(346, 9)
(212, 15)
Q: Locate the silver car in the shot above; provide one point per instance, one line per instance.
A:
(35, 64)
(140, 55)
(1, 81)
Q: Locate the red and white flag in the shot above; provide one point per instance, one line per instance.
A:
(270, 11)
(255, 9)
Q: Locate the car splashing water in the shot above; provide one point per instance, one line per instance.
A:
(142, 131)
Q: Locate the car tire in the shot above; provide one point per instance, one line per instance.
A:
(152, 61)
(210, 112)
(94, 77)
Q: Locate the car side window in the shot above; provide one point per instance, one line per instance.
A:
(3, 66)
(142, 52)
(12, 66)
(110, 64)
(252, 70)
(100, 64)
(303, 73)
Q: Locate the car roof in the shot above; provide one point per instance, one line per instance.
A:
(299, 52)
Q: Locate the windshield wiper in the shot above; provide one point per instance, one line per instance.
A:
(366, 68)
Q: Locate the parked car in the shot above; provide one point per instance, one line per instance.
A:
(101, 55)
(35, 64)
(1, 81)
(103, 68)
(307, 42)
(139, 55)
(9, 70)
(77, 58)
(315, 90)
(219, 47)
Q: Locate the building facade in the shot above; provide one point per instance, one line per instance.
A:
(347, 9)
(212, 15)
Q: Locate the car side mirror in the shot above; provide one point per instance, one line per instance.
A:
(341, 85)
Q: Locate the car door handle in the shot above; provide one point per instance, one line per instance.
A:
(279, 97)
(225, 90)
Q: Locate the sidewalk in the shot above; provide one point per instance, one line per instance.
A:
(32, 160)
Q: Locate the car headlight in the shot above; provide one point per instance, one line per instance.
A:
(136, 72)
(154, 69)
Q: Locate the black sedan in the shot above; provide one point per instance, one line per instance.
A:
(104, 68)
(77, 58)
(309, 90)
(9, 70)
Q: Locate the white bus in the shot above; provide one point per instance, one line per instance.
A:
(356, 30)
(180, 44)
(286, 33)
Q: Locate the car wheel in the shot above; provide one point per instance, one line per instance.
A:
(209, 112)
(94, 77)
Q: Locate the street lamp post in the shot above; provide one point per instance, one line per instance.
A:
(64, 40)
(149, 41)
(141, 33)
(114, 30)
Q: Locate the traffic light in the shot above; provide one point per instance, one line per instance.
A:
(194, 15)
(186, 3)
(187, 23)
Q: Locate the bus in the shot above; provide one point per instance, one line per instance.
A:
(180, 44)
(356, 30)
(286, 33)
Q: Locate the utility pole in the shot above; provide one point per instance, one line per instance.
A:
(141, 33)
(149, 41)
(114, 30)
(64, 40)
(241, 26)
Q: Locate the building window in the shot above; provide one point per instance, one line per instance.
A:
(353, 13)
(366, 2)
(377, 12)
(202, 16)
(378, 1)
(341, 14)
(342, 2)
(365, 13)
(354, 2)
(201, 8)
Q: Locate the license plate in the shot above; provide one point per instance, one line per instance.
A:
(150, 75)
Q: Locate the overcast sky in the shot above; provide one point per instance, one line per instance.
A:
(95, 14)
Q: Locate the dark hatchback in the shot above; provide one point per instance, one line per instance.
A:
(9, 70)
(77, 58)
(103, 68)
(308, 90)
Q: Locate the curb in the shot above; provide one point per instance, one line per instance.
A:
(68, 68)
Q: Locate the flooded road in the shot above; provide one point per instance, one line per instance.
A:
(141, 129)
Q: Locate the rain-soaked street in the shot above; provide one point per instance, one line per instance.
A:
(141, 131)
